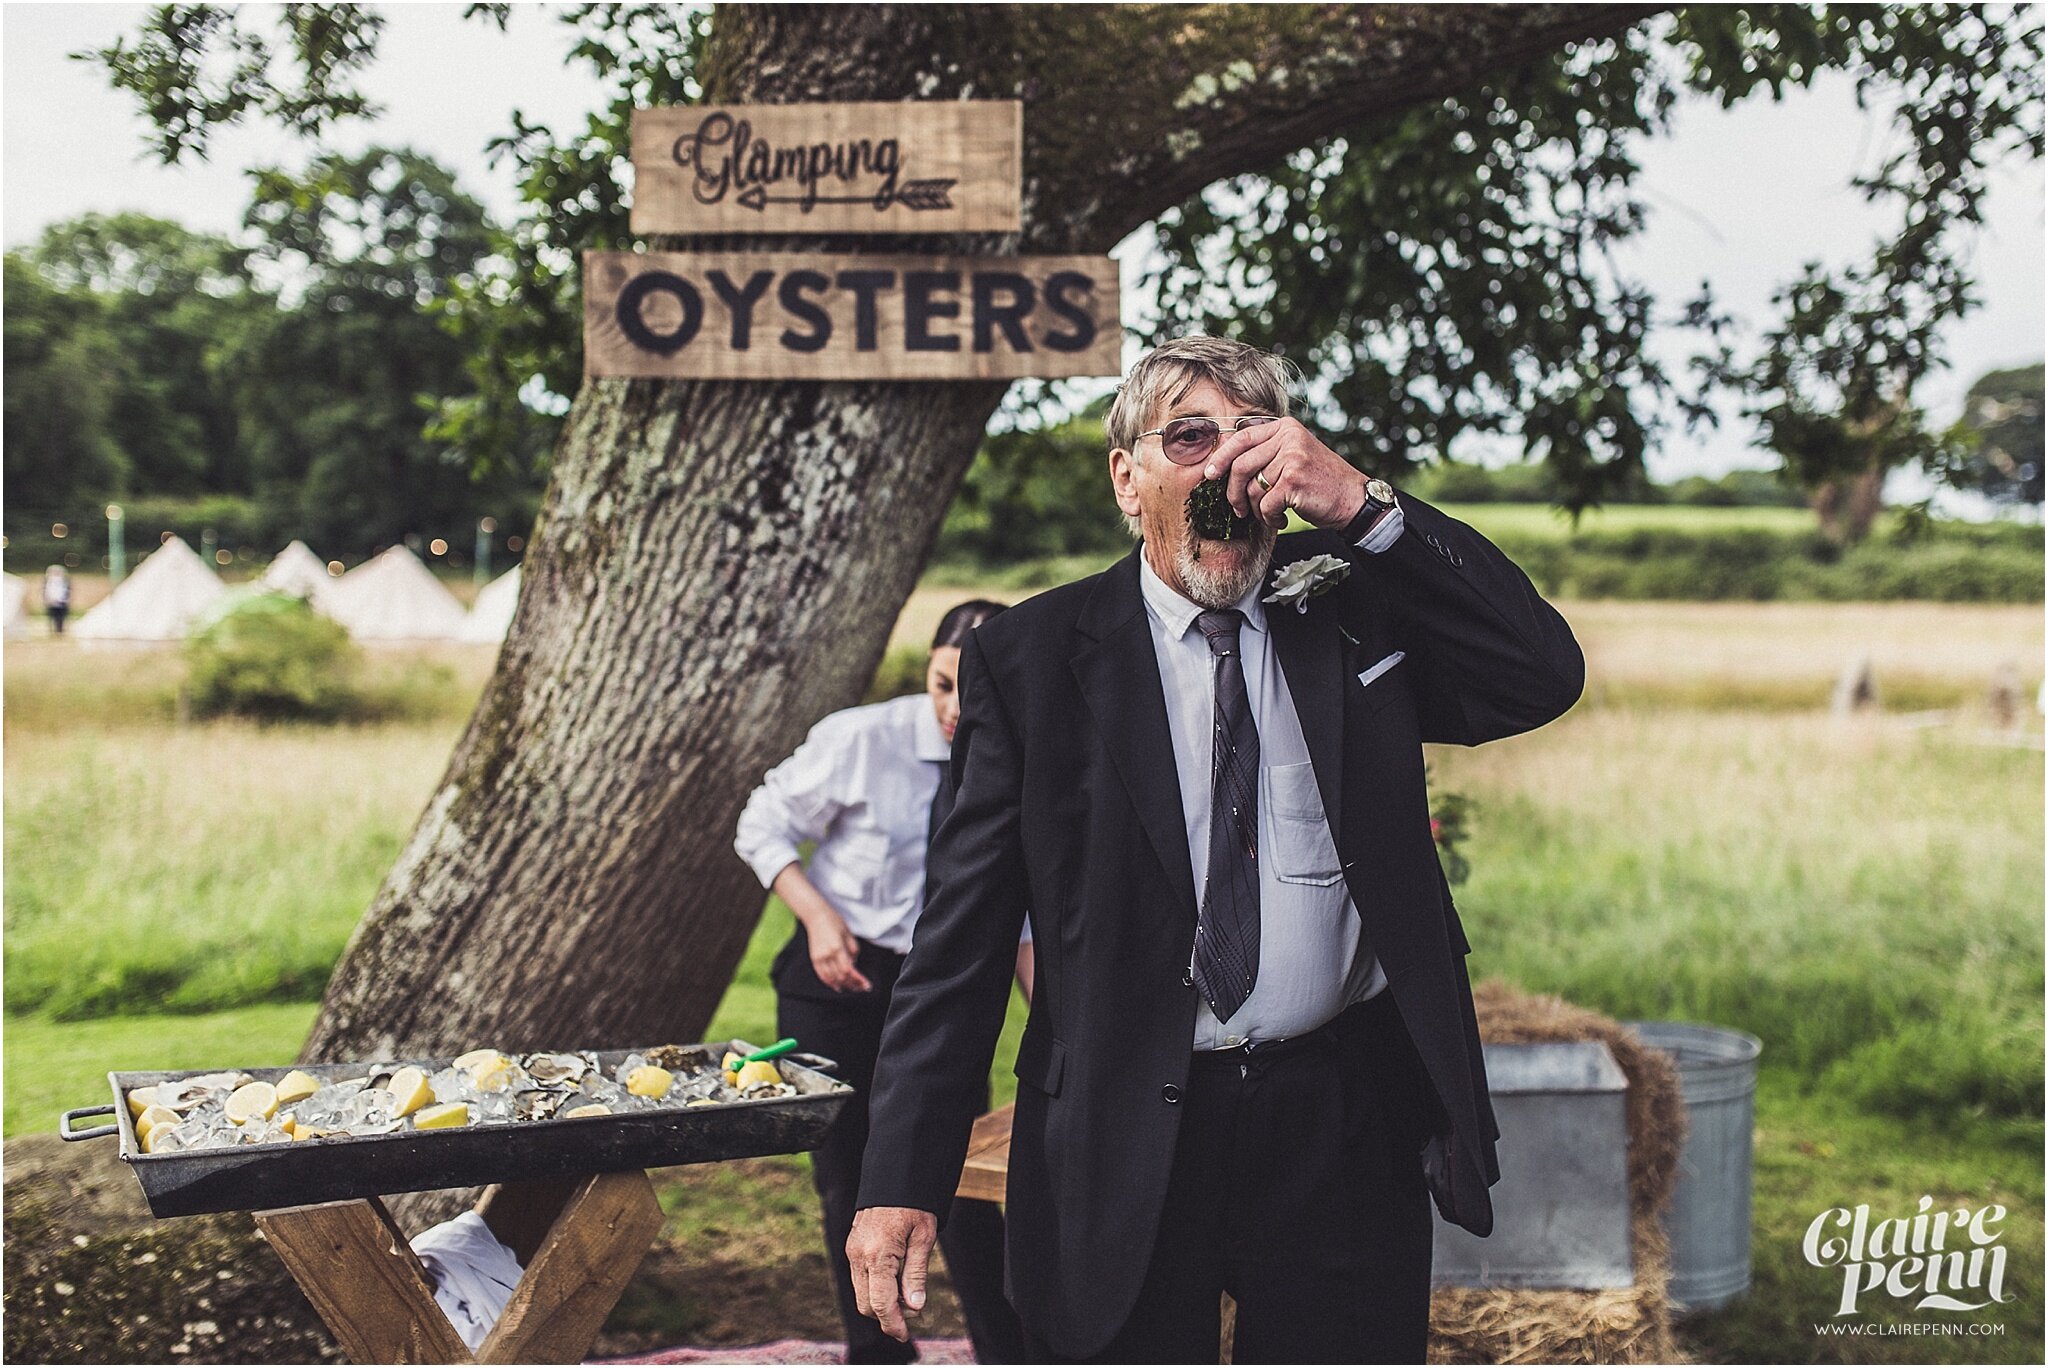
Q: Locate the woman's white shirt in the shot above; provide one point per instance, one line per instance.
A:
(861, 786)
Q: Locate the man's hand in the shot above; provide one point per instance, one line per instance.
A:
(891, 1246)
(1276, 466)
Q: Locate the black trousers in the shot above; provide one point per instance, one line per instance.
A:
(1297, 1188)
(847, 1027)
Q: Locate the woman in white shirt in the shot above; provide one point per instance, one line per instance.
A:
(862, 786)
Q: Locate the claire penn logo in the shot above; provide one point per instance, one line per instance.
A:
(1948, 1260)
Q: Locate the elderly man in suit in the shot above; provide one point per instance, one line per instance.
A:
(1251, 1058)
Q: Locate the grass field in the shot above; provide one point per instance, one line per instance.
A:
(1502, 520)
(1696, 841)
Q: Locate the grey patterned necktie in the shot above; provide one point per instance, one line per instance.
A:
(1227, 936)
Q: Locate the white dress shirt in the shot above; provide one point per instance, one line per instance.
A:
(861, 786)
(1312, 963)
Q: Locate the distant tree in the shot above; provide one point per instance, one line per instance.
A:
(335, 387)
(61, 452)
(1034, 492)
(1998, 451)
(160, 299)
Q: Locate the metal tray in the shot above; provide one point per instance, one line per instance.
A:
(337, 1168)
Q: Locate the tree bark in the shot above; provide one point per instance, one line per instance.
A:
(719, 564)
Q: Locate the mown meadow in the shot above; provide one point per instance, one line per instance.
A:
(1699, 840)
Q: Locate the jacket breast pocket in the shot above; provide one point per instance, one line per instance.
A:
(1303, 851)
(1041, 1061)
(1383, 680)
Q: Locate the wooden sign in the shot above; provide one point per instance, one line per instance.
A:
(904, 167)
(792, 316)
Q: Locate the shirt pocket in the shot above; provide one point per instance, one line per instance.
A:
(1303, 852)
(866, 870)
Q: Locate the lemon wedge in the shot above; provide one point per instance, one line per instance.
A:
(649, 1080)
(296, 1086)
(469, 1061)
(411, 1089)
(151, 1118)
(442, 1116)
(760, 1071)
(251, 1102)
(140, 1100)
(700, 1102)
(732, 1061)
(492, 1073)
(589, 1109)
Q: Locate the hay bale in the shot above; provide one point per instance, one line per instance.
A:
(1620, 1325)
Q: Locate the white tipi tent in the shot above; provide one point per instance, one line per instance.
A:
(17, 606)
(158, 601)
(298, 571)
(490, 617)
(394, 598)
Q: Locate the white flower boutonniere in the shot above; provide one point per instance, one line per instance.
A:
(1299, 581)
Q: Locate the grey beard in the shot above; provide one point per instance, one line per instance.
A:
(1213, 583)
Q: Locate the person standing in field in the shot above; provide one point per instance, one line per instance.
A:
(57, 597)
(1252, 1058)
(866, 786)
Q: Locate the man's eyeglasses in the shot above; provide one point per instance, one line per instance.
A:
(1188, 440)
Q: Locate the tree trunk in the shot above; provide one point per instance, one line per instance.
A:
(1865, 502)
(1825, 499)
(719, 564)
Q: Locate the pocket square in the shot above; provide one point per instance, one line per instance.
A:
(1368, 676)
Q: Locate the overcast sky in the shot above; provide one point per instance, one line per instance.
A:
(1740, 197)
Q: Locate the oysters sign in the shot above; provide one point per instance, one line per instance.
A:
(790, 316)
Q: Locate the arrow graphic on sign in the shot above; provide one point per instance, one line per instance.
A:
(916, 195)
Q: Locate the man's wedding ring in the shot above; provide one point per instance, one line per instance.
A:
(1263, 482)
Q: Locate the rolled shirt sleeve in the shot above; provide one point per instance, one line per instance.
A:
(796, 801)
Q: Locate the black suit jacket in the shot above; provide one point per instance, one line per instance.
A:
(1067, 803)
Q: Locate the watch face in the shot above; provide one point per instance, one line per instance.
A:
(1379, 491)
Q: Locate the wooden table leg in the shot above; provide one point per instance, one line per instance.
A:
(580, 1241)
(596, 1233)
(354, 1265)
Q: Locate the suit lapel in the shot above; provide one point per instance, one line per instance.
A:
(1118, 672)
(1308, 645)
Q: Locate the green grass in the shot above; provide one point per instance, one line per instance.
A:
(197, 868)
(1866, 899)
(1525, 520)
(53, 1067)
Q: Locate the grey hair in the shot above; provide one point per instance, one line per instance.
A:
(1247, 376)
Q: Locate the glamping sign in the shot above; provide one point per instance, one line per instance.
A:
(902, 167)
(788, 316)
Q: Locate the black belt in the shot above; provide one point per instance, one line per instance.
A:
(1323, 1036)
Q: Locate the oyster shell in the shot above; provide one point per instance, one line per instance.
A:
(539, 1104)
(549, 1069)
(678, 1059)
